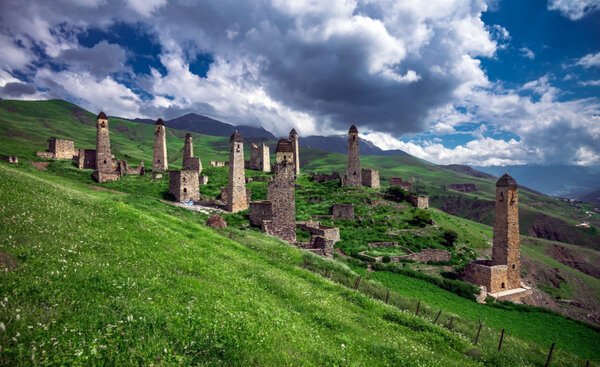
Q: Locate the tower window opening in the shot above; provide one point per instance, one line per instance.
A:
(503, 286)
(513, 266)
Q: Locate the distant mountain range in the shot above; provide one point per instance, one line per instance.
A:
(556, 180)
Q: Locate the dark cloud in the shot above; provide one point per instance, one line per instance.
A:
(100, 60)
(15, 90)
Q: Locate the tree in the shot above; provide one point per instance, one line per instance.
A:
(449, 238)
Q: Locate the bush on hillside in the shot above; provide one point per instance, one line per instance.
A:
(449, 237)
(421, 218)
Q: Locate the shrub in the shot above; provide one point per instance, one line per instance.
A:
(397, 193)
(449, 238)
(421, 218)
(386, 259)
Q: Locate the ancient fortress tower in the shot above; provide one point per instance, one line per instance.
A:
(353, 173)
(189, 161)
(159, 160)
(281, 194)
(294, 140)
(236, 190)
(506, 230)
(106, 166)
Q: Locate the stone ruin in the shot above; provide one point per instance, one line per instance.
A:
(464, 187)
(13, 159)
(237, 199)
(318, 177)
(322, 238)
(86, 158)
(218, 164)
(370, 178)
(418, 201)
(190, 163)
(260, 158)
(159, 158)
(284, 153)
(58, 149)
(425, 256)
(342, 211)
(397, 182)
(124, 169)
(501, 275)
(183, 185)
(353, 172)
(106, 164)
(293, 137)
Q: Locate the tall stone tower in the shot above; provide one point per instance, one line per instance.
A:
(294, 140)
(281, 194)
(106, 166)
(159, 160)
(506, 230)
(353, 173)
(189, 161)
(236, 190)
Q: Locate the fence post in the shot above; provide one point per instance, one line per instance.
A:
(478, 331)
(387, 296)
(549, 355)
(357, 283)
(501, 338)
(438, 316)
(418, 307)
(451, 320)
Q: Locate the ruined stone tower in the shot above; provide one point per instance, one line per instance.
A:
(189, 161)
(106, 166)
(159, 160)
(353, 173)
(236, 190)
(294, 140)
(506, 230)
(281, 194)
(260, 158)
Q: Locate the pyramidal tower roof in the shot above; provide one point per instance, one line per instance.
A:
(506, 180)
(284, 146)
(159, 122)
(237, 137)
(101, 116)
(293, 132)
(353, 130)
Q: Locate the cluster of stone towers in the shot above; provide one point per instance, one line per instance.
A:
(355, 176)
(502, 272)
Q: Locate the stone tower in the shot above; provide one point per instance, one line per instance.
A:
(506, 230)
(281, 194)
(294, 140)
(159, 160)
(236, 190)
(106, 166)
(353, 173)
(189, 161)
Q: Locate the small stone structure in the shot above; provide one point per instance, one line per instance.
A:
(353, 172)
(425, 256)
(58, 149)
(190, 162)
(183, 185)
(203, 179)
(342, 211)
(124, 169)
(106, 165)
(218, 164)
(236, 190)
(317, 177)
(86, 159)
(418, 201)
(501, 274)
(317, 229)
(260, 211)
(293, 137)
(13, 159)
(370, 178)
(397, 181)
(216, 221)
(381, 244)
(464, 187)
(159, 159)
(281, 194)
(260, 158)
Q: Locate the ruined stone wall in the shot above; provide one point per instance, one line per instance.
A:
(382, 244)
(418, 201)
(353, 172)
(342, 211)
(236, 190)
(259, 212)
(321, 246)
(106, 165)
(159, 158)
(505, 250)
(316, 228)
(397, 181)
(218, 164)
(260, 158)
(61, 148)
(281, 193)
(465, 187)
(124, 169)
(430, 254)
(370, 178)
(189, 161)
(317, 177)
(86, 159)
(482, 272)
(183, 185)
(13, 159)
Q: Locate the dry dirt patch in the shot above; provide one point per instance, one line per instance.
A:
(40, 165)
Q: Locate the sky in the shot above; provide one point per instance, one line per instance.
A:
(477, 82)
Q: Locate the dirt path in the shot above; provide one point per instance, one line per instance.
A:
(40, 165)
(341, 253)
(98, 188)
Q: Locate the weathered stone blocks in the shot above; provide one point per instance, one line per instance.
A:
(159, 158)
(183, 185)
(370, 178)
(342, 211)
(353, 172)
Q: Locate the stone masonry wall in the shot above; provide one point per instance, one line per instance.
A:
(353, 172)
(61, 148)
(236, 189)
(418, 201)
(430, 254)
(317, 177)
(259, 212)
(483, 273)
(342, 211)
(106, 165)
(159, 158)
(505, 250)
(397, 181)
(183, 185)
(86, 159)
(293, 136)
(189, 161)
(281, 193)
(370, 178)
(316, 228)
(260, 158)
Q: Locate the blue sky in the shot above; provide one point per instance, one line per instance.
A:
(450, 81)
